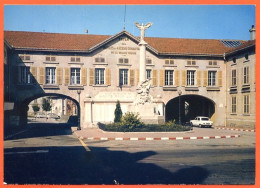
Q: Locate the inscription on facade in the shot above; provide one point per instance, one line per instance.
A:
(123, 50)
(116, 95)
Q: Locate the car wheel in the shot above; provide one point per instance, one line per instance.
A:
(191, 124)
(200, 126)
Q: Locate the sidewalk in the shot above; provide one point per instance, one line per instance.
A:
(98, 134)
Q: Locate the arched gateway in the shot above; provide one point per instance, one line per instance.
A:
(187, 107)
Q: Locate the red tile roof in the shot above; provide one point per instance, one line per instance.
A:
(58, 41)
(245, 45)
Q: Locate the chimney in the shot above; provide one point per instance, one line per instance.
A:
(252, 33)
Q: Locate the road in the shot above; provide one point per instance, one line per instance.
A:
(51, 154)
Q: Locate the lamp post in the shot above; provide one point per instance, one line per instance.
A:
(79, 91)
(180, 92)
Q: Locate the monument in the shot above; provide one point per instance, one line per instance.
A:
(144, 104)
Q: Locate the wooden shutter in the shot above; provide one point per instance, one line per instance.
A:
(205, 78)
(108, 77)
(91, 76)
(59, 75)
(34, 74)
(132, 77)
(42, 75)
(83, 76)
(198, 78)
(67, 76)
(162, 78)
(177, 77)
(137, 77)
(184, 78)
(220, 78)
(154, 77)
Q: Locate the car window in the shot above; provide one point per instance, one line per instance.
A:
(205, 119)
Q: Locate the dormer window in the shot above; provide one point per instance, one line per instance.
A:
(100, 60)
(50, 58)
(213, 63)
(75, 59)
(148, 61)
(246, 57)
(24, 57)
(123, 60)
(191, 62)
(234, 60)
(169, 62)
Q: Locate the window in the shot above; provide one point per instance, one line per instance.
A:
(234, 77)
(191, 62)
(246, 75)
(74, 76)
(190, 78)
(246, 104)
(234, 60)
(75, 59)
(234, 104)
(99, 60)
(24, 57)
(99, 76)
(212, 78)
(50, 75)
(168, 77)
(123, 76)
(123, 60)
(25, 75)
(169, 62)
(246, 57)
(148, 74)
(50, 58)
(148, 61)
(213, 63)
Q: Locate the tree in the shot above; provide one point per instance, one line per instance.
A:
(46, 105)
(118, 113)
(35, 108)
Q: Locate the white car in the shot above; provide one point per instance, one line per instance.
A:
(201, 121)
(53, 116)
(40, 115)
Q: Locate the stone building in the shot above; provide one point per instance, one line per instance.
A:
(191, 76)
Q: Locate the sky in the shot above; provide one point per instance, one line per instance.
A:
(174, 21)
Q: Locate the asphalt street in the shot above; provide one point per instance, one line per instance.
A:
(51, 154)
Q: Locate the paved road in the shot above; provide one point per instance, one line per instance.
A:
(50, 154)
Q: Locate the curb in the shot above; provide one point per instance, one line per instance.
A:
(159, 138)
(233, 129)
(11, 135)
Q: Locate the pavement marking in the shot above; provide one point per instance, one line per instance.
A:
(26, 152)
(84, 145)
(133, 138)
(103, 138)
(120, 138)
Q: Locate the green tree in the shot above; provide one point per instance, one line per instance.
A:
(35, 108)
(118, 113)
(46, 105)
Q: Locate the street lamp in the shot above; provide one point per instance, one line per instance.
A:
(180, 92)
(79, 91)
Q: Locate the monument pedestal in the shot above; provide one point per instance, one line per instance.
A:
(149, 113)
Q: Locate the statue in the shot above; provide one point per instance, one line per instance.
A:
(143, 92)
(143, 28)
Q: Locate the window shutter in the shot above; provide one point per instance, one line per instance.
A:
(154, 77)
(132, 77)
(91, 76)
(59, 75)
(34, 74)
(137, 77)
(161, 77)
(177, 77)
(83, 76)
(205, 78)
(220, 78)
(198, 78)
(42, 75)
(108, 77)
(67, 76)
(184, 78)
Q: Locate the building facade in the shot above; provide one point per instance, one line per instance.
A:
(191, 76)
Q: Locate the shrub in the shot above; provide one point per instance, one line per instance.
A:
(131, 121)
(35, 108)
(118, 113)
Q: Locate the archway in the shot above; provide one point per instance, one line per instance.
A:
(23, 107)
(189, 106)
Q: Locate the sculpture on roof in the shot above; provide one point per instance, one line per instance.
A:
(143, 28)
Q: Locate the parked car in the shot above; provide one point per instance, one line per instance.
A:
(201, 121)
(40, 115)
(53, 116)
